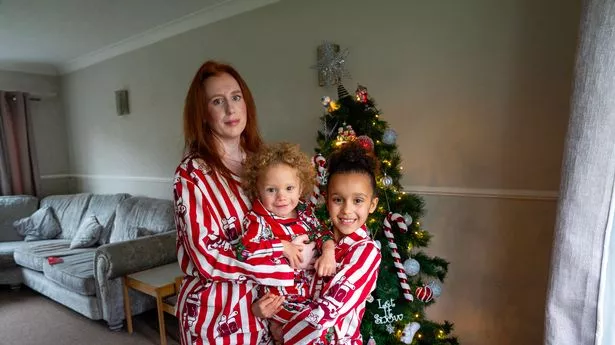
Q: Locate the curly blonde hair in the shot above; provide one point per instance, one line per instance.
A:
(278, 153)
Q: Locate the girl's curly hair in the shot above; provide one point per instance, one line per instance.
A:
(278, 153)
(353, 158)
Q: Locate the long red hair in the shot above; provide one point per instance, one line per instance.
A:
(198, 135)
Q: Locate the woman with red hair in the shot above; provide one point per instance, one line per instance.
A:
(217, 292)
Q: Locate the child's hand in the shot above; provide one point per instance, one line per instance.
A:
(292, 251)
(325, 265)
(267, 306)
(308, 252)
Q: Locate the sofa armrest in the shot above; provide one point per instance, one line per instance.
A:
(114, 260)
(121, 258)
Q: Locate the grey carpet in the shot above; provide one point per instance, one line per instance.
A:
(28, 318)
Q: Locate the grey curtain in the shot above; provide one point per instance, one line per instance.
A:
(18, 165)
(576, 286)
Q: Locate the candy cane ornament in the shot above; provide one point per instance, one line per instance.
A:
(321, 178)
(401, 273)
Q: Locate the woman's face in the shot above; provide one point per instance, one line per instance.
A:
(225, 106)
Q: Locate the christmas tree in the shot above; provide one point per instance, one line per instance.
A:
(409, 280)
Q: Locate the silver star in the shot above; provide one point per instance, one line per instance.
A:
(390, 329)
(332, 64)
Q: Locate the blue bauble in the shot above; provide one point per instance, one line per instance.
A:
(389, 137)
(412, 267)
(436, 288)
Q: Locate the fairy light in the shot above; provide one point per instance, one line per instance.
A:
(419, 335)
(333, 106)
(377, 116)
(417, 315)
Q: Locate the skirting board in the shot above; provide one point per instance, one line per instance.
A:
(164, 184)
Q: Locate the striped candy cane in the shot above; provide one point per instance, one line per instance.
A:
(401, 273)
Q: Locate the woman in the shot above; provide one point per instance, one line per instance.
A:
(216, 295)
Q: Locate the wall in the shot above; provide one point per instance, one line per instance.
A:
(48, 125)
(477, 90)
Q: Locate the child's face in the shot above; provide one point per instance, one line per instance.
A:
(279, 189)
(350, 200)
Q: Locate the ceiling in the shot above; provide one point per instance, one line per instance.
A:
(51, 36)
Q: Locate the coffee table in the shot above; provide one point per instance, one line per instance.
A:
(158, 282)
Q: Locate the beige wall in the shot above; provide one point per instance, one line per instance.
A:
(499, 251)
(478, 91)
(48, 125)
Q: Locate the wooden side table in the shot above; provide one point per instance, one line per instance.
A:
(158, 282)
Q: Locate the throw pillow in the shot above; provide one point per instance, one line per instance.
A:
(88, 233)
(41, 225)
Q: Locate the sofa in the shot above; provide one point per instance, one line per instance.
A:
(12, 208)
(138, 233)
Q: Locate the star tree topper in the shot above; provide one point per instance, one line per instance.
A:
(331, 63)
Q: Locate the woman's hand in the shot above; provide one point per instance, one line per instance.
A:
(292, 251)
(276, 332)
(267, 305)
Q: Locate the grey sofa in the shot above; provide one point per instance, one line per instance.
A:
(139, 234)
(12, 208)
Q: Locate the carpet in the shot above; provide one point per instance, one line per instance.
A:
(28, 318)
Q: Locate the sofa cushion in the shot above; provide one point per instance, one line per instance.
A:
(75, 273)
(155, 215)
(88, 233)
(41, 225)
(103, 206)
(6, 253)
(12, 208)
(34, 254)
(69, 209)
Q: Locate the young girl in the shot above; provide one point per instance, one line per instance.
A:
(334, 317)
(280, 227)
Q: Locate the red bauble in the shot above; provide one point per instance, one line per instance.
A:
(366, 142)
(424, 293)
(361, 94)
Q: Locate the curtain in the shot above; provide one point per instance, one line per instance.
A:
(576, 297)
(18, 165)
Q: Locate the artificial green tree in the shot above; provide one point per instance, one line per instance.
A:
(390, 317)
